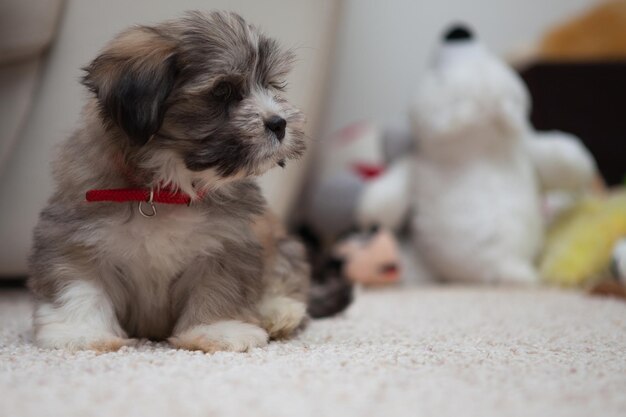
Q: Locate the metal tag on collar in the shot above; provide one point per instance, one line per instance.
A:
(150, 201)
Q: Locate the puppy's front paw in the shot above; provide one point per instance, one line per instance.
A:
(230, 335)
(280, 316)
(111, 344)
(77, 340)
(61, 328)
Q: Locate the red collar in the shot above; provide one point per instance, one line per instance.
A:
(121, 195)
(150, 196)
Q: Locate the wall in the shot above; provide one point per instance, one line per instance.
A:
(384, 45)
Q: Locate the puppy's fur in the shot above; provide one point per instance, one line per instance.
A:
(183, 104)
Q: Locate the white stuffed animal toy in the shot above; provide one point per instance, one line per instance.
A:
(480, 167)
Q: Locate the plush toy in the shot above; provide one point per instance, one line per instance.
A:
(583, 240)
(363, 188)
(480, 168)
(362, 182)
(369, 258)
(354, 205)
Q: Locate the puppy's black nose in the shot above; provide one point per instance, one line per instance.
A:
(277, 125)
(458, 33)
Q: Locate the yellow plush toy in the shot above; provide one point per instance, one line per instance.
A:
(580, 242)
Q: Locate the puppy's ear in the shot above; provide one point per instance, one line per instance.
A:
(132, 78)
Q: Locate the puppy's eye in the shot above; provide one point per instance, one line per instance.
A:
(224, 91)
(278, 85)
(373, 229)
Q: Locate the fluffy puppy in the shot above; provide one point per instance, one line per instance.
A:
(194, 105)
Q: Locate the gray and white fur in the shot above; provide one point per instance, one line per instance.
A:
(193, 104)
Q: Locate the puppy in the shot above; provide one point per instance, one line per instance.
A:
(189, 107)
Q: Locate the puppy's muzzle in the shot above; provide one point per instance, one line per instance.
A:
(277, 125)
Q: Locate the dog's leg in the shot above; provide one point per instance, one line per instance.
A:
(283, 307)
(214, 298)
(222, 335)
(281, 316)
(80, 317)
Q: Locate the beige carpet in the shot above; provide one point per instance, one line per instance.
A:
(420, 352)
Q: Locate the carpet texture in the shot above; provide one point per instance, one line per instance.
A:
(412, 352)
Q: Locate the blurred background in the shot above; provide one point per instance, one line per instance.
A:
(358, 61)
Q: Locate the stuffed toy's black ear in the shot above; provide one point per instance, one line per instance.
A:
(132, 79)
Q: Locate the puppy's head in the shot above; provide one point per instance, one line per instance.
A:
(198, 101)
